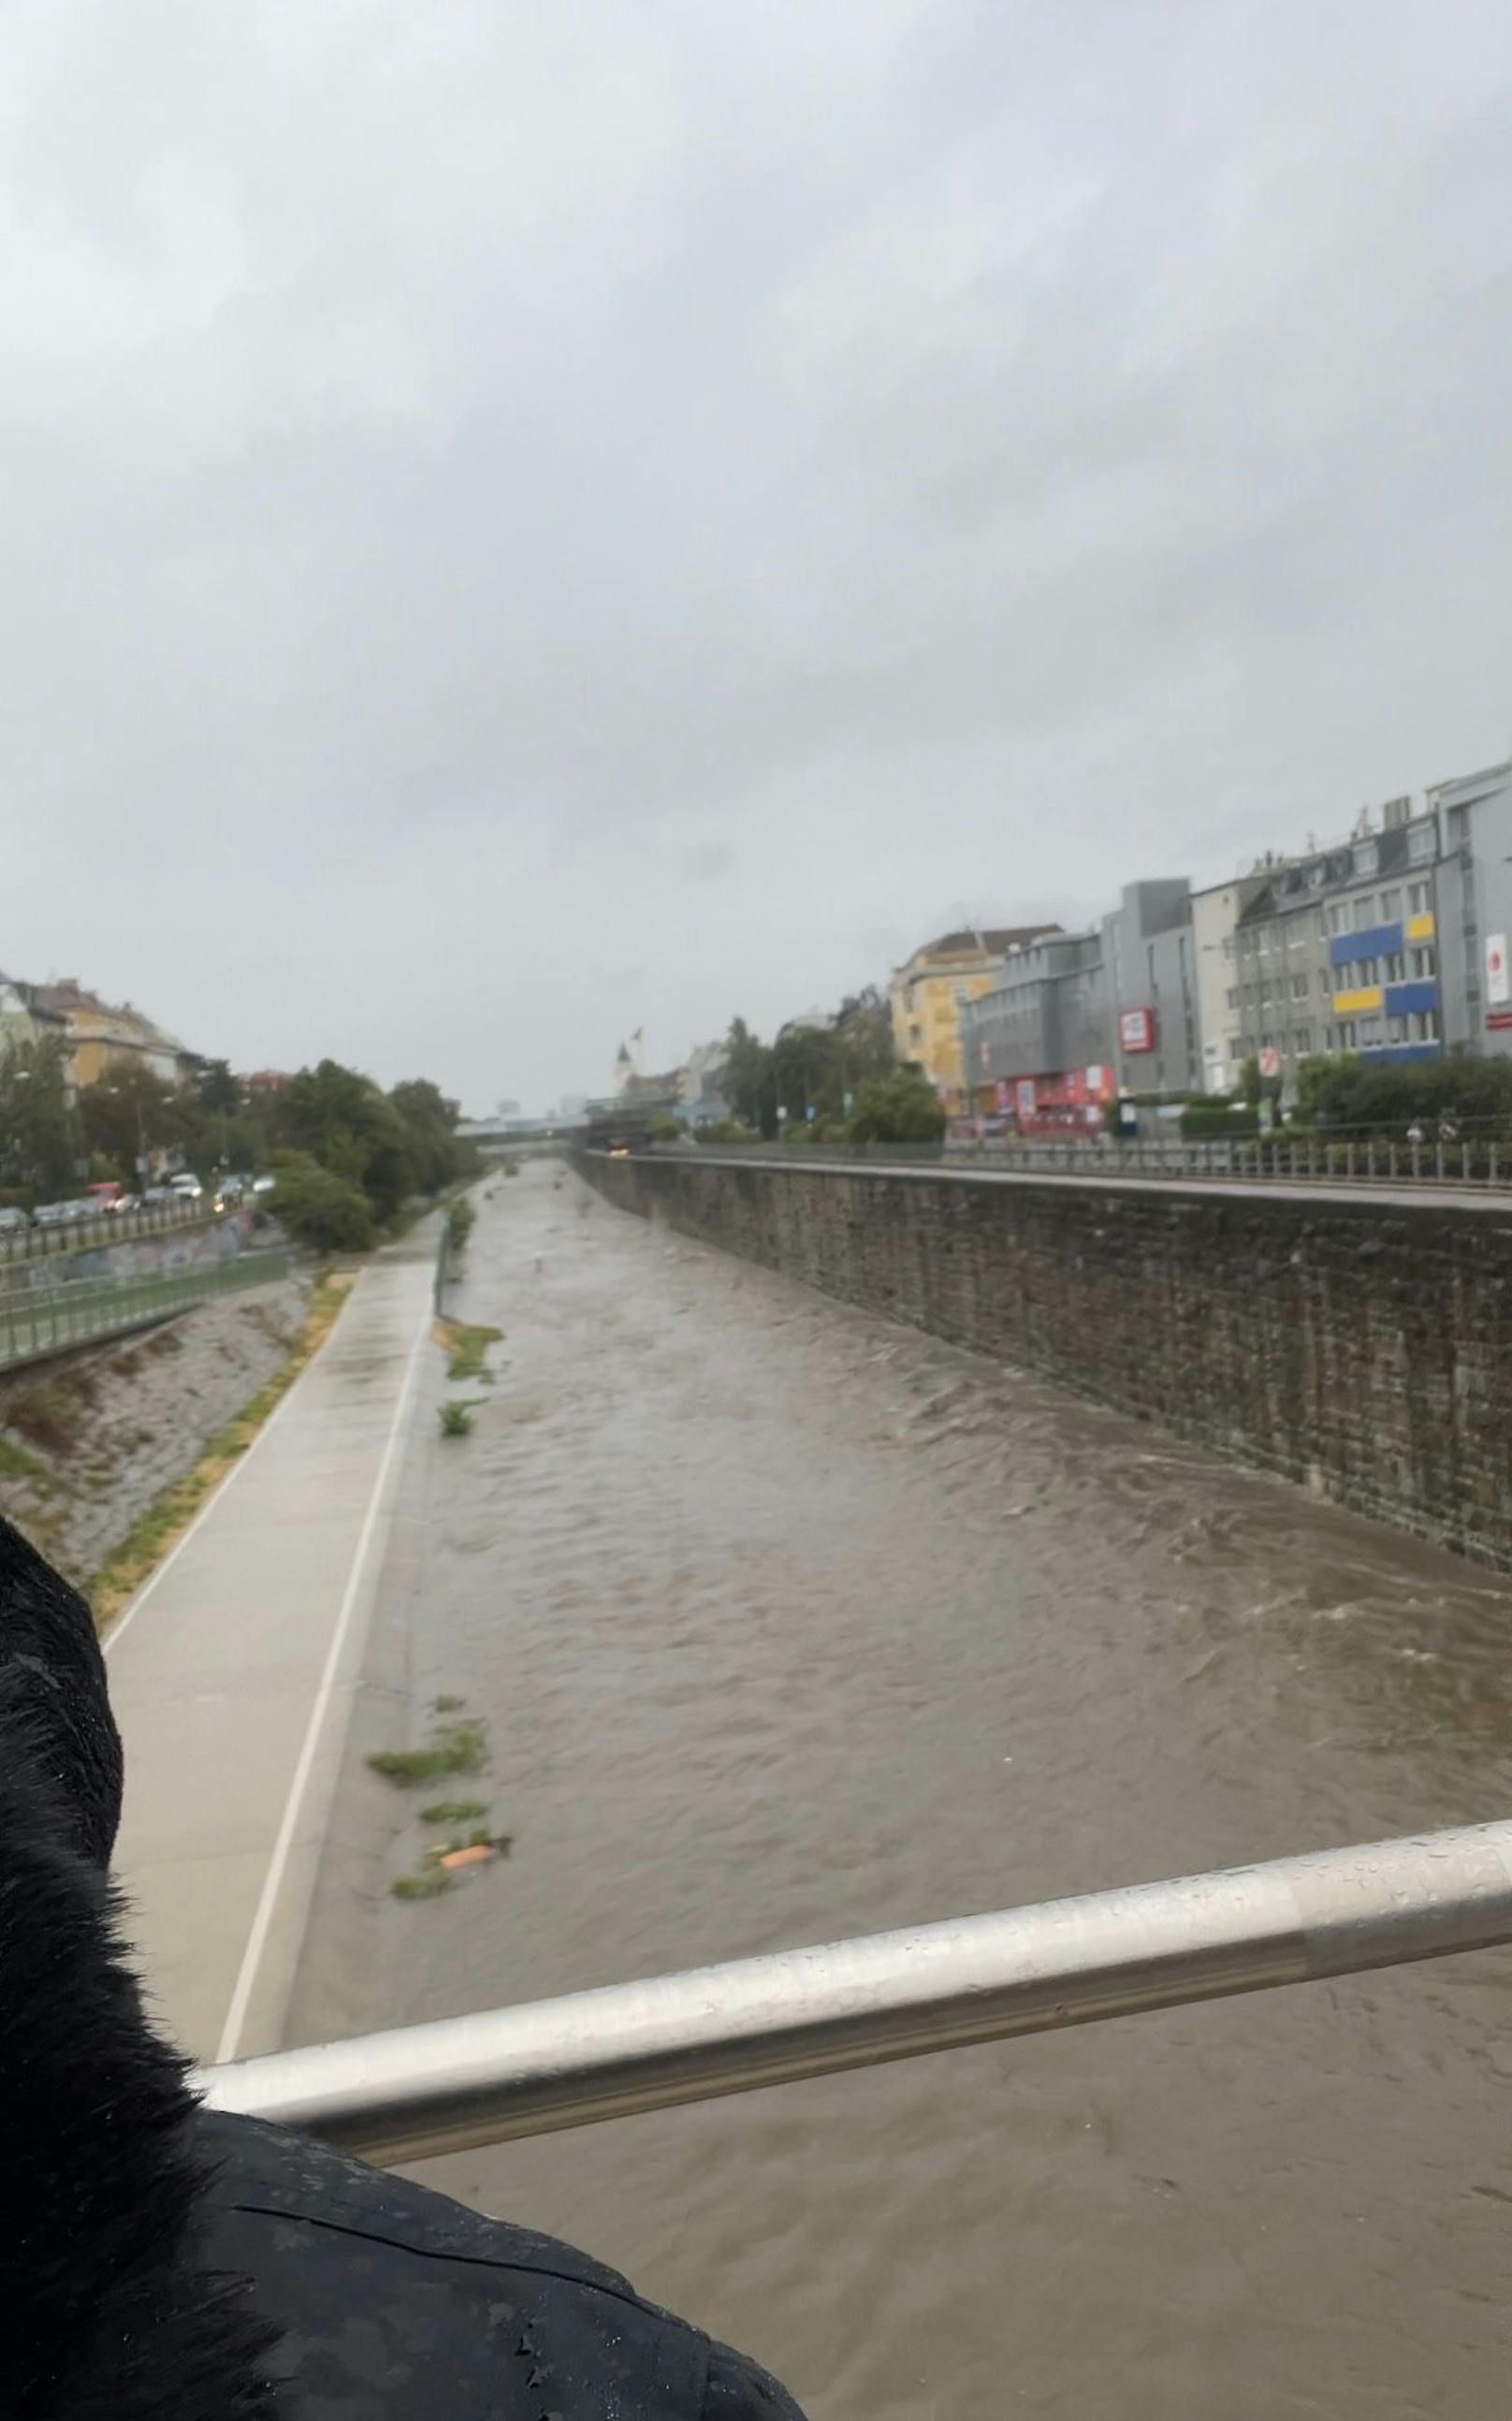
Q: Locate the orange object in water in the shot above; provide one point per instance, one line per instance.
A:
(475, 1856)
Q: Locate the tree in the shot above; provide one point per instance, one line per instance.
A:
(430, 1120)
(339, 1119)
(900, 1108)
(319, 1209)
(750, 1080)
(41, 1142)
(216, 1088)
(864, 1024)
(130, 1113)
(808, 1070)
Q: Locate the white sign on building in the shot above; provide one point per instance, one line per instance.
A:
(1498, 988)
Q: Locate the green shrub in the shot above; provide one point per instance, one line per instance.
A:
(1216, 1118)
(328, 1213)
(461, 1218)
(456, 1420)
(900, 1108)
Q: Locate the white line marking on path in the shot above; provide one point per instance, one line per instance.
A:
(272, 1882)
(119, 1629)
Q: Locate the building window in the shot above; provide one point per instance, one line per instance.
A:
(1370, 1032)
(1363, 912)
(1298, 987)
(1419, 845)
(1396, 1029)
(1344, 1030)
(1232, 995)
(1395, 965)
(1324, 984)
(1426, 1025)
(1391, 905)
(1426, 961)
(1337, 918)
(1417, 898)
(1228, 946)
(1301, 1039)
(1265, 1042)
(1366, 857)
(1265, 994)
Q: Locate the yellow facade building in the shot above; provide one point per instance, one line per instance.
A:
(100, 1037)
(927, 992)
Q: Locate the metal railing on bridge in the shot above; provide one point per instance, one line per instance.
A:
(39, 1322)
(1464, 1162)
(546, 2065)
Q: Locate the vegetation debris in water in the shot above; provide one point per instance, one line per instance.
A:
(423, 1886)
(454, 1748)
(466, 1346)
(454, 1811)
(457, 1420)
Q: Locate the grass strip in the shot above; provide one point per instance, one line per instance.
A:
(167, 1519)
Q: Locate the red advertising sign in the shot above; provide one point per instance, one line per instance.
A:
(1136, 1029)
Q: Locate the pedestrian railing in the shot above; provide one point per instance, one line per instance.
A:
(1483, 1166)
(40, 1320)
(503, 2073)
(63, 1235)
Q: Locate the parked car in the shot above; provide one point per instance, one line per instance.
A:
(106, 1196)
(186, 1186)
(13, 1222)
(264, 1184)
(127, 1202)
(51, 1214)
(158, 1193)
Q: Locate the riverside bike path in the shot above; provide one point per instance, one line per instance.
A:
(234, 1671)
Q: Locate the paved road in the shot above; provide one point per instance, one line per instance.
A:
(233, 1673)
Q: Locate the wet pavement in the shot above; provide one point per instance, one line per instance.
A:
(234, 1671)
(789, 1624)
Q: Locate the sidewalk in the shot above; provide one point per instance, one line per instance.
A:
(233, 1674)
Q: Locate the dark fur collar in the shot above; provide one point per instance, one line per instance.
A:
(104, 2314)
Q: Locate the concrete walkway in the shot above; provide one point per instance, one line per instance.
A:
(234, 1671)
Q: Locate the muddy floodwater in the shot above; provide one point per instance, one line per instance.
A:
(789, 1624)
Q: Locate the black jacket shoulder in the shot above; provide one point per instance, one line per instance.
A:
(396, 2303)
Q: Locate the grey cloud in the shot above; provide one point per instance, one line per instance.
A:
(476, 475)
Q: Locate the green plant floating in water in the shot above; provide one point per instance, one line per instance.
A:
(426, 1886)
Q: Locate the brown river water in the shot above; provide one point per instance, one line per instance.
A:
(790, 1624)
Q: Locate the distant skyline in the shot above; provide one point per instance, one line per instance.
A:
(520, 524)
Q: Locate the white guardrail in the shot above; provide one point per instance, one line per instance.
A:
(546, 2065)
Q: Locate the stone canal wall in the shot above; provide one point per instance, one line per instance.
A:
(1362, 1350)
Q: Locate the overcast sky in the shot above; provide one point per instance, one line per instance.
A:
(525, 521)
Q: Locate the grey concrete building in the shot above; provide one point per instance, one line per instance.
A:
(1475, 885)
(1039, 1044)
(1338, 951)
(1151, 964)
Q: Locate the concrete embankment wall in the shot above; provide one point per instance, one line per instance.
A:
(1361, 1349)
